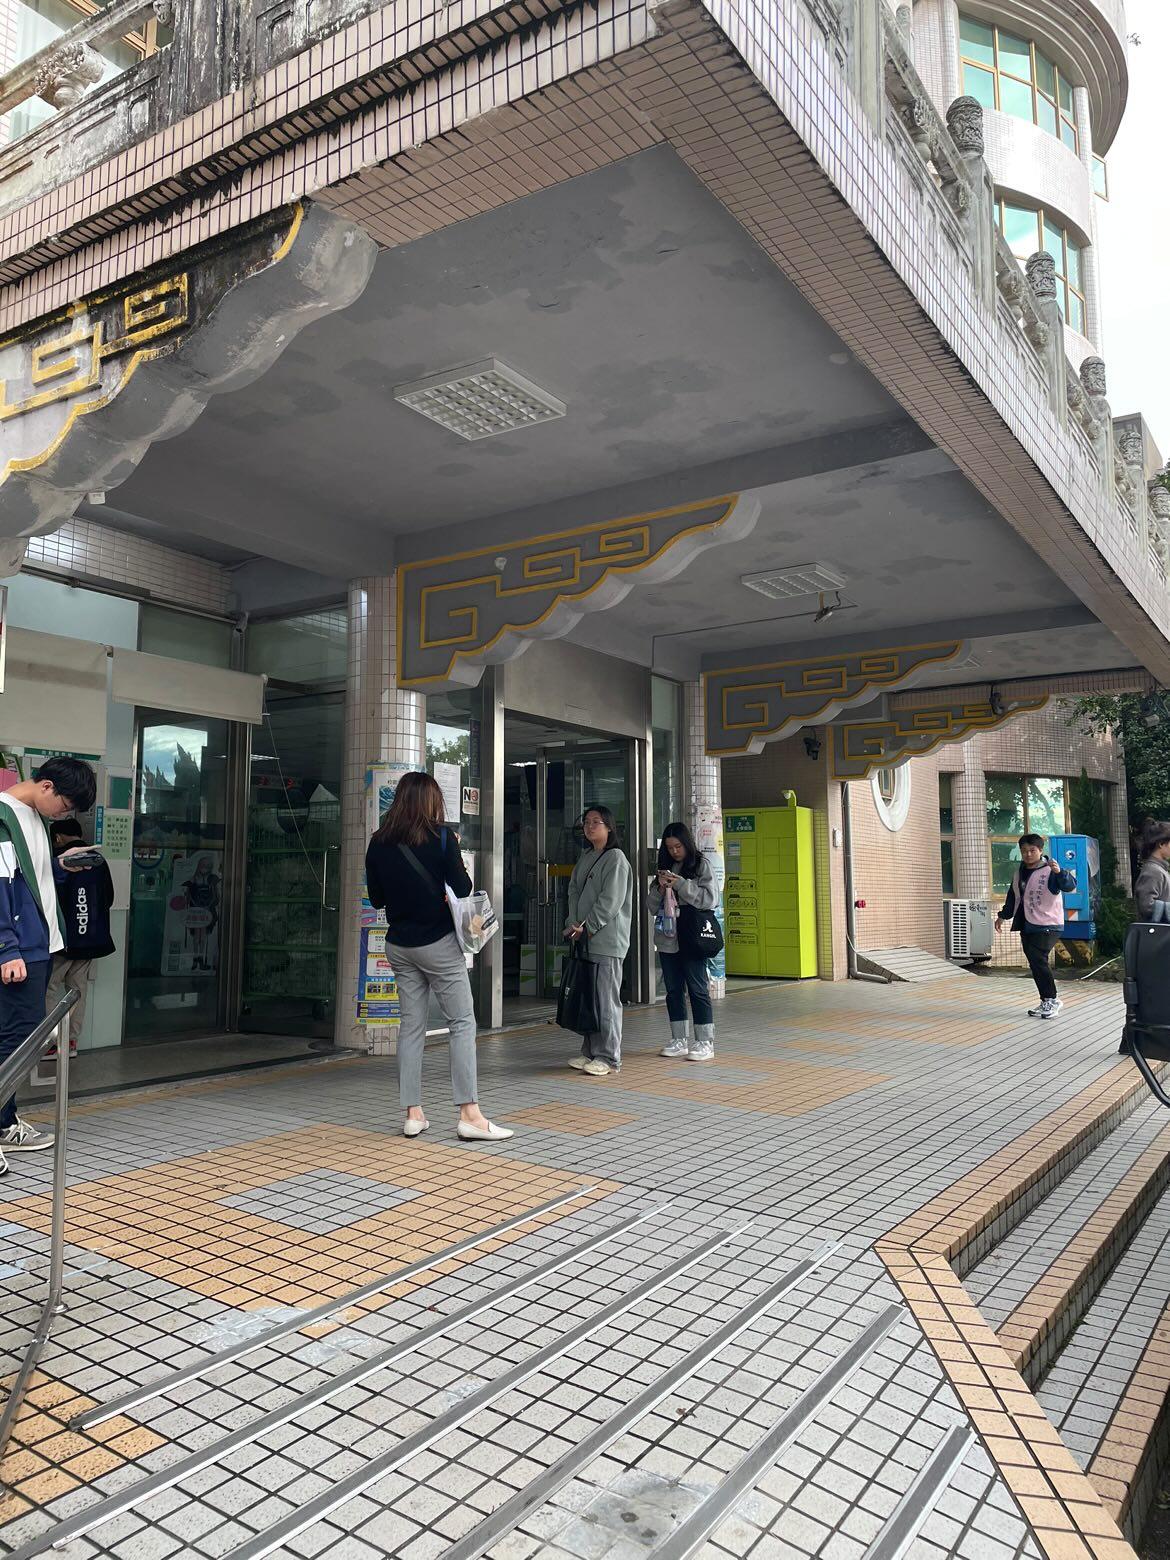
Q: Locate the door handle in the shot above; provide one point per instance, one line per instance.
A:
(330, 850)
(542, 891)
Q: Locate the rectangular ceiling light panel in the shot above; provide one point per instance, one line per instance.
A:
(802, 579)
(481, 400)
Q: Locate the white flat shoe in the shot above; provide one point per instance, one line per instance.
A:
(412, 1126)
(578, 1063)
(491, 1132)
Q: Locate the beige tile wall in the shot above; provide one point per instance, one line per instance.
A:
(899, 875)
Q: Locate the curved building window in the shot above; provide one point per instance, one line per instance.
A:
(1010, 73)
(1028, 230)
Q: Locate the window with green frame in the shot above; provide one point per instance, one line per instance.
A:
(1029, 229)
(1021, 804)
(1007, 72)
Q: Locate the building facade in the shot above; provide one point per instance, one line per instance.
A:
(661, 406)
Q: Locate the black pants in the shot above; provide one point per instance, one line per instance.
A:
(1038, 948)
(22, 1006)
(681, 975)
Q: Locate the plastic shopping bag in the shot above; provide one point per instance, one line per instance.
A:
(475, 920)
(666, 921)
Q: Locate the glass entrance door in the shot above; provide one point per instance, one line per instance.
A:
(293, 882)
(552, 773)
(177, 863)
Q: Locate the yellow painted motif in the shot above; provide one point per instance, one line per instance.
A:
(570, 564)
(865, 746)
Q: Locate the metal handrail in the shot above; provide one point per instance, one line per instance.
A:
(13, 1072)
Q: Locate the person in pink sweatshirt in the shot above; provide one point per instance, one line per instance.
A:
(1034, 908)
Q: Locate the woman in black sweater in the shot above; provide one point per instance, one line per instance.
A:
(409, 863)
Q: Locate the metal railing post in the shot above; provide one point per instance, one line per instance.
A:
(13, 1071)
(55, 1304)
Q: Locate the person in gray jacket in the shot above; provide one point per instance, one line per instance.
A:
(1153, 879)
(685, 870)
(601, 902)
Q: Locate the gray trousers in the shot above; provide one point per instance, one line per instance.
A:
(437, 967)
(606, 1044)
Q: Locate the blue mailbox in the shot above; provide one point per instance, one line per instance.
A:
(1080, 854)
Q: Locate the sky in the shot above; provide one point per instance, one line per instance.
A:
(1134, 234)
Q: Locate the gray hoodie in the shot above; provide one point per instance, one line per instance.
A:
(699, 892)
(1153, 882)
(601, 894)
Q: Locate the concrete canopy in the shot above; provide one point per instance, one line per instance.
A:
(689, 366)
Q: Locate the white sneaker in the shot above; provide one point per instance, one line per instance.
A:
(701, 1051)
(23, 1138)
(596, 1069)
(675, 1048)
(3, 1165)
(578, 1063)
(1053, 1006)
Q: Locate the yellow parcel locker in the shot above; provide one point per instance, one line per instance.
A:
(769, 899)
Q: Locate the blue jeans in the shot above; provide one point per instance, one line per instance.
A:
(22, 1006)
(680, 976)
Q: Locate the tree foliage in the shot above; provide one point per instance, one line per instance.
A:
(1142, 722)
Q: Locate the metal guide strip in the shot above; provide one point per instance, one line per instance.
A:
(356, 1483)
(703, 1521)
(377, 1286)
(126, 1500)
(919, 1500)
(536, 1494)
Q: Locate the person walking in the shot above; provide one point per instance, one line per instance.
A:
(1035, 909)
(686, 872)
(409, 863)
(86, 896)
(601, 903)
(1153, 879)
(30, 922)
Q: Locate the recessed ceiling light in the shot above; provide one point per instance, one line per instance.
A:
(802, 579)
(480, 400)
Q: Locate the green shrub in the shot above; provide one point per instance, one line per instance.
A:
(1113, 918)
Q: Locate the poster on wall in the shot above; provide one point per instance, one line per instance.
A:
(381, 784)
(191, 928)
(449, 778)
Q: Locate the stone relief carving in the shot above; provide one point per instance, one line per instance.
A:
(965, 122)
(1093, 377)
(64, 79)
(1040, 270)
(1129, 446)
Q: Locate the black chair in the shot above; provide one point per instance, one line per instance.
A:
(1146, 1037)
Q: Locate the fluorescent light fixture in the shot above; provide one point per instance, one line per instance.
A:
(480, 400)
(802, 579)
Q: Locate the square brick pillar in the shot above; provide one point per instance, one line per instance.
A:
(383, 725)
(706, 804)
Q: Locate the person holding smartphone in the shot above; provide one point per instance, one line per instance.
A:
(30, 917)
(686, 872)
(1035, 908)
(85, 893)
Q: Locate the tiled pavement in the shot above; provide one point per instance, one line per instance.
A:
(832, 1112)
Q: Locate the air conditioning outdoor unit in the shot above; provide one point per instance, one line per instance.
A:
(968, 928)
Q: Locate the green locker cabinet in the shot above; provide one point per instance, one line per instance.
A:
(769, 906)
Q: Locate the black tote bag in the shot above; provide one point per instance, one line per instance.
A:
(577, 1000)
(699, 934)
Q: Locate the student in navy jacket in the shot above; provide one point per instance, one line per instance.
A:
(30, 927)
(86, 898)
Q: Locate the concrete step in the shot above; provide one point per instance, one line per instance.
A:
(1077, 1293)
(1038, 1282)
(909, 964)
(1107, 1392)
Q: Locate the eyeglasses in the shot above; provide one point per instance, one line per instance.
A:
(69, 808)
